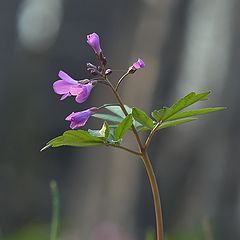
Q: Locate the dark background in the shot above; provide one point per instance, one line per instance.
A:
(187, 45)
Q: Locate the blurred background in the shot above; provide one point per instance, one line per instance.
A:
(187, 45)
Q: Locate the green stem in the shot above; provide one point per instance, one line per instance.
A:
(156, 196)
(120, 80)
(125, 112)
(148, 167)
(151, 134)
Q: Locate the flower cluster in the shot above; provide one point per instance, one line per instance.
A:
(81, 89)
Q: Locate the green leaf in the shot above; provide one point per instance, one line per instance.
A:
(123, 127)
(105, 130)
(175, 122)
(158, 114)
(75, 138)
(184, 102)
(102, 133)
(118, 111)
(108, 117)
(194, 112)
(142, 118)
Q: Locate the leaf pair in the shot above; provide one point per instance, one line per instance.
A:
(173, 116)
(113, 134)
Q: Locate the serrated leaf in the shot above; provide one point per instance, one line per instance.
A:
(75, 138)
(184, 102)
(141, 117)
(118, 111)
(123, 127)
(158, 114)
(175, 122)
(194, 112)
(108, 117)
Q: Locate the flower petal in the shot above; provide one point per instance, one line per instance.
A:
(94, 41)
(76, 125)
(65, 96)
(65, 77)
(83, 96)
(79, 119)
(69, 117)
(76, 89)
(139, 64)
(61, 87)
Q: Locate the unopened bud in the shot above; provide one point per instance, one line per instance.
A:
(137, 65)
(94, 72)
(108, 71)
(90, 65)
(99, 69)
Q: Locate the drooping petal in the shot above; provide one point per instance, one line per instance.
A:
(94, 41)
(69, 117)
(65, 96)
(65, 77)
(79, 119)
(75, 125)
(61, 87)
(76, 89)
(83, 96)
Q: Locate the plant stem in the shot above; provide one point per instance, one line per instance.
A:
(124, 111)
(156, 196)
(147, 164)
(151, 135)
(120, 80)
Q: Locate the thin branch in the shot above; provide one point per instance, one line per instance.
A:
(120, 80)
(125, 148)
(125, 113)
(151, 134)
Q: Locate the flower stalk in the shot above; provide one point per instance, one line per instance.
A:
(147, 163)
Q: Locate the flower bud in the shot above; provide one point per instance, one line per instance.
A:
(90, 65)
(94, 41)
(108, 71)
(137, 65)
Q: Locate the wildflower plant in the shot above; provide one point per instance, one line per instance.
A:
(120, 118)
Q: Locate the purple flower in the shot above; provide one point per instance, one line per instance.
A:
(79, 119)
(94, 41)
(137, 65)
(67, 86)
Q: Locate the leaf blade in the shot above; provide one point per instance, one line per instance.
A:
(184, 102)
(75, 138)
(175, 122)
(195, 112)
(123, 127)
(108, 117)
(141, 117)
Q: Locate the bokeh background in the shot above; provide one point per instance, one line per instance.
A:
(187, 45)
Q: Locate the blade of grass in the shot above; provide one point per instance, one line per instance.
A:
(55, 225)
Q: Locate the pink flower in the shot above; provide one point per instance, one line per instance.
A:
(94, 41)
(79, 119)
(67, 86)
(137, 65)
